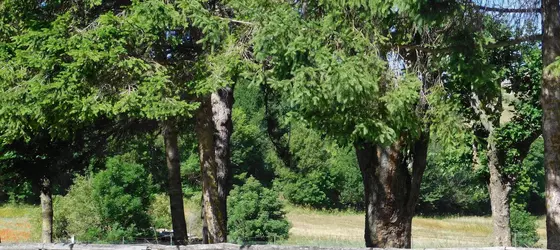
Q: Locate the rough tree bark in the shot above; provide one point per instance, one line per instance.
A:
(170, 135)
(391, 190)
(214, 128)
(499, 186)
(222, 105)
(550, 101)
(46, 210)
(499, 189)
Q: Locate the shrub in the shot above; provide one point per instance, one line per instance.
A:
(76, 213)
(109, 206)
(160, 211)
(255, 214)
(523, 228)
(124, 192)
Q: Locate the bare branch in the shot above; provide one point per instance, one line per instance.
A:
(237, 21)
(507, 10)
(531, 38)
(499, 44)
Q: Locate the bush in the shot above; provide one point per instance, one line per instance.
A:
(109, 206)
(160, 211)
(255, 214)
(523, 228)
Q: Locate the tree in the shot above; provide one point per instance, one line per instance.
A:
(503, 105)
(90, 63)
(223, 40)
(465, 50)
(162, 75)
(550, 27)
(329, 66)
(550, 102)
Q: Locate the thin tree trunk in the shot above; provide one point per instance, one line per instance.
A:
(499, 190)
(550, 101)
(170, 135)
(391, 191)
(214, 131)
(46, 210)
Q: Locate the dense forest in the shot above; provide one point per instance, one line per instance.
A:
(114, 112)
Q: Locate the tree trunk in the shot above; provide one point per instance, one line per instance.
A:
(170, 135)
(211, 212)
(46, 210)
(222, 105)
(550, 101)
(391, 191)
(214, 128)
(499, 190)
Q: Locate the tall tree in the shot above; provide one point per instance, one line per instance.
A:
(475, 33)
(330, 66)
(225, 41)
(527, 11)
(37, 106)
(551, 117)
(88, 62)
(214, 129)
(507, 122)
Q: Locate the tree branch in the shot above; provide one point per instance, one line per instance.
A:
(498, 44)
(507, 10)
(237, 21)
(537, 37)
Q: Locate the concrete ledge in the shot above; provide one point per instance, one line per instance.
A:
(222, 246)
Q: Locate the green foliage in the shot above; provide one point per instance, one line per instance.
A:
(250, 147)
(451, 185)
(321, 174)
(14, 188)
(76, 212)
(330, 72)
(528, 192)
(124, 192)
(107, 206)
(255, 214)
(254, 145)
(160, 212)
(523, 228)
(190, 169)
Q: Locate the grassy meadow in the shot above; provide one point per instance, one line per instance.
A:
(319, 228)
(309, 227)
(20, 223)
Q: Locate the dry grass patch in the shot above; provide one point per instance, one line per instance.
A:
(320, 228)
(309, 227)
(19, 223)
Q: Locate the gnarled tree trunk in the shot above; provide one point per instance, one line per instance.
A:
(500, 190)
(550, 101)
(170, 136)
(214, 128)
(391, 190)
(46, 210)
